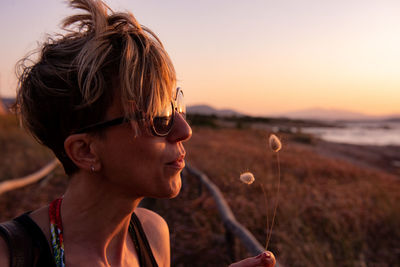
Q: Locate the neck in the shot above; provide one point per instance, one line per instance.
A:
(96, 215)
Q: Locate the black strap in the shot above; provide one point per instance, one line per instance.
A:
(42, 255)
(19, 243)
(143, 249)
(26, 242)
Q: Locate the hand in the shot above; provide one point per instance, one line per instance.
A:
(265, 259)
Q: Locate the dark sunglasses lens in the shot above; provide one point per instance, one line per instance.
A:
(162, 125)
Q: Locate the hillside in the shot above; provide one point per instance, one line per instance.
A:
(2, 108)
(208, 110)
(332, 211)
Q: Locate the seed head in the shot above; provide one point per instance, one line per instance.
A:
(247, 178)
(274, 143)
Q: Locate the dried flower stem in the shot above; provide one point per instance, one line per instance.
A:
(276, 203)
(266, 205)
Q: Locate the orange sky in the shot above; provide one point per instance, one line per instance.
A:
(259, 57)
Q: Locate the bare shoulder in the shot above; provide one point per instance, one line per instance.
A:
(153, 224)
(41, 218)
(4, 253)
(150, 217)
(157, 232)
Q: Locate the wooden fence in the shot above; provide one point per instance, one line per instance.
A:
(232, 226)
(29, 179)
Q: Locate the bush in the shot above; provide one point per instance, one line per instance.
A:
(202, 120)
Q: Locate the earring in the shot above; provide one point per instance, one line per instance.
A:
(92, 168)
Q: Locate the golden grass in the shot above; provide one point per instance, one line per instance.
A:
(331, 213)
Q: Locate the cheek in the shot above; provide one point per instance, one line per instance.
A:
(135, 160)
(149, 157)
(149, 164)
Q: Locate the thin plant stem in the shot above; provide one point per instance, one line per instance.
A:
(266, 205)
(276, 202)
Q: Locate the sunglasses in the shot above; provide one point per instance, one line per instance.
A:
(160, 125)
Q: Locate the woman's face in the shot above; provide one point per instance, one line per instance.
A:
(145, 165)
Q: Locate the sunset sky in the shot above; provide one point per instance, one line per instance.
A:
(259, 57)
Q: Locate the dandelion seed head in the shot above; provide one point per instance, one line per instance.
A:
(247, 178)
(274, 143)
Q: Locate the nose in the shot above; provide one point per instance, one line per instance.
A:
(181, 131)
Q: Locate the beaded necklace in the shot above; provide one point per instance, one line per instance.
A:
(56, 229)
(57, 239)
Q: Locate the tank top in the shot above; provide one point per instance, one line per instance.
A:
(43, 255)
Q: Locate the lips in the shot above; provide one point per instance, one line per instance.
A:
(178, 163)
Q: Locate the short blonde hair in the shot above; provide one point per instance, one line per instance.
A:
(104, 54)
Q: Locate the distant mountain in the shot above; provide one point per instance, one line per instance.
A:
(208, 110)
(394, 118)
(5, 104)
(2, 108)
(8, 101)
(331, 115)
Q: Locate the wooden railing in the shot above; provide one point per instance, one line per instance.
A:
(29, 179)
(232, 226)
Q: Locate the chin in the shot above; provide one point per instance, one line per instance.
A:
(175, 186)
(172, 187)
(169, 187)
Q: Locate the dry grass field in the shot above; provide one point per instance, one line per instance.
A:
(332, 211)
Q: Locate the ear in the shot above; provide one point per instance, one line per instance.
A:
(80, 149)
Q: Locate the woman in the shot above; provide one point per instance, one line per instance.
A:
(101, 98)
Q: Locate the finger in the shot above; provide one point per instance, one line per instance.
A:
(265, 259)
(268, 259)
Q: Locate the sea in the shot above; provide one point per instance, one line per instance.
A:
(378, 133)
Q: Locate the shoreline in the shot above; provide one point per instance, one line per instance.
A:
(382, 158)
